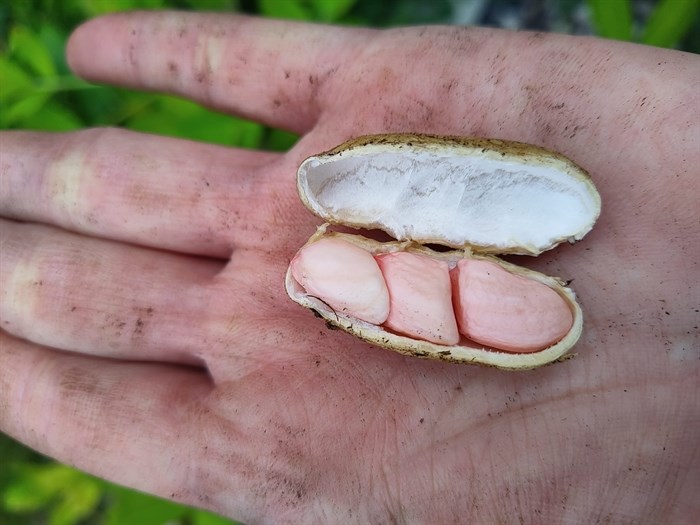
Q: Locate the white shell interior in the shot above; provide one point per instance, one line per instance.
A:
(506, 205)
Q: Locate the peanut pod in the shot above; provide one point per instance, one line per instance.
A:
(480, 197)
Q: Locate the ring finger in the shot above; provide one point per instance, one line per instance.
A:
(77, 293)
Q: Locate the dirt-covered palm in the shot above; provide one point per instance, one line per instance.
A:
(126, 256)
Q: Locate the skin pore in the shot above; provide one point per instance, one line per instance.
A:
(147, 337)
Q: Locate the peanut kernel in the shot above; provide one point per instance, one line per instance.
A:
(499, 309)
(345, 277)
(420, 297)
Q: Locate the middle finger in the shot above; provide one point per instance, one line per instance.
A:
(153, 191)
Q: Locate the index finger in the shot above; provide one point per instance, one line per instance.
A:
(270, 71)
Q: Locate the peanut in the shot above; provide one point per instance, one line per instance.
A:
(420, 297)
(345, 277)
(506, 311)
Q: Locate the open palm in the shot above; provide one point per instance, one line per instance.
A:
(148, 338)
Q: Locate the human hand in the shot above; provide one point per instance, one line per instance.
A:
(148, 338)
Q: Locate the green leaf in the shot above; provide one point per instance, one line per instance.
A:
(332, 10)
(54, 39)
(181, 118)
(62, 83)
(181, 108)
(26, 493)
(405, 12)
(125, 104)
(67, 494)
(79, 499)
(201, 517)
(28, 49)
(214, 5)
(93, 8)
(246, 134)
(612, 18)
(12, 454)
(52, 117)
(279, 140)
(23, 109)
(131, 507)
(106, 106)
(287, 9)
(669, 22)
(14, 81)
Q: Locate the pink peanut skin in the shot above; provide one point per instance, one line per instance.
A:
(420, 297)
(345, 277)
(499, 309)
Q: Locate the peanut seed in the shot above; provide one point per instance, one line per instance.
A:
(345, 277)
(499, 309)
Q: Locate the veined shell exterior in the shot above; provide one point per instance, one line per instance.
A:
(479, 196)
(465, 352)
(491, 195)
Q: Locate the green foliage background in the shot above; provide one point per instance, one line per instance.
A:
(37, 91)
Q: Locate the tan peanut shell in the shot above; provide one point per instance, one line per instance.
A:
(427, 173)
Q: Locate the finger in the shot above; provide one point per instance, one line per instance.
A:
(267, 70)
(112, 419)
(160, 192)
(82, 294)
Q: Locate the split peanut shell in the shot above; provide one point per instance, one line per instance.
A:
(480, 197)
